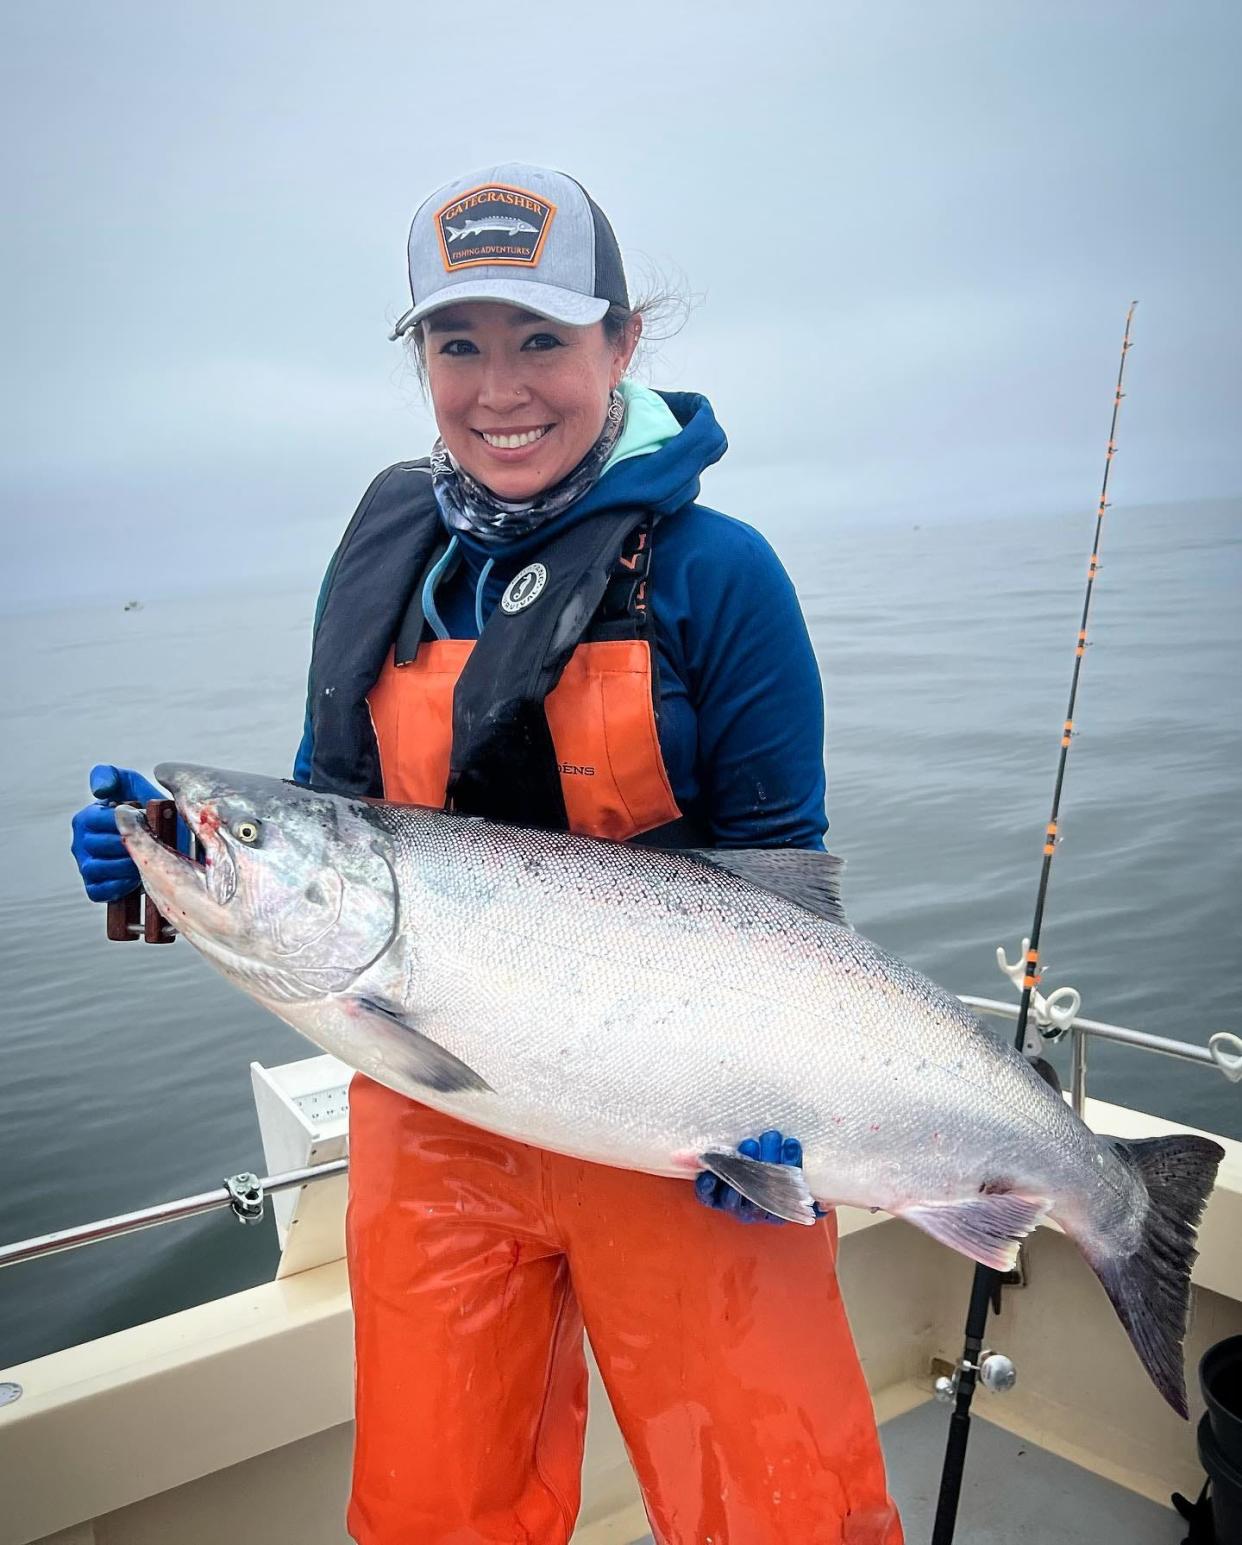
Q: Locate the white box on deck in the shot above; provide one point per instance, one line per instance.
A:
(303, 1110)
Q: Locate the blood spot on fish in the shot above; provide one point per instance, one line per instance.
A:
(208, 821)
(874, 1127)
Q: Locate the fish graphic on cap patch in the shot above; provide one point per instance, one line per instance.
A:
(506, 223)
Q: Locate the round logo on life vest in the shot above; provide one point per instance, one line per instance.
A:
(525, 588)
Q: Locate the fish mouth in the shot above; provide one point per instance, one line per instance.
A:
(193, 896)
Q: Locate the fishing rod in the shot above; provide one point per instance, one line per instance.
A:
(985, 1289)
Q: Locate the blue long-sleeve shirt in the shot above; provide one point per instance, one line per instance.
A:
(741, 706)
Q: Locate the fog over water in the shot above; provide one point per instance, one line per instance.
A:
(912, 230)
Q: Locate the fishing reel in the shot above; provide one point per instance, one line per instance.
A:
(994, 1371)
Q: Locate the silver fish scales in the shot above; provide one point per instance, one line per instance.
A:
(649, 1009)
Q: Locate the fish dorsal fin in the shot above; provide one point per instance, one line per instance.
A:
(806, 876)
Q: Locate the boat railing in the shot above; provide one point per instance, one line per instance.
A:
(1218, 1053)
(244, 1194)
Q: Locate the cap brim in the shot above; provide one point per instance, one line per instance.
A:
(545, 300)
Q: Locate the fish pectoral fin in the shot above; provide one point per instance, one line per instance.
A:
(407, 1050)
(807, 877)
(986, 1227)
(780, 1189)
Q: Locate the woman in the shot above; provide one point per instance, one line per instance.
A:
(540, 625)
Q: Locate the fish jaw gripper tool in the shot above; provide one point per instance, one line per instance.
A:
(136, 916)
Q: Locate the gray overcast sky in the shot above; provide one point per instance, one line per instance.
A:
(914, 229)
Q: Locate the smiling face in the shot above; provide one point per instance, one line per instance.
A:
(519, 400)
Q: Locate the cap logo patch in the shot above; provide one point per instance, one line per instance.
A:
(493, 224)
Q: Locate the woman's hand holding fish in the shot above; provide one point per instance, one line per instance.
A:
(107, 870)
(771, 1148)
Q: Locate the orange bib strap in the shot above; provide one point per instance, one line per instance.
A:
(412, 712)
(600, 715)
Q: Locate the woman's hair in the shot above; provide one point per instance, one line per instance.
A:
(664, 312)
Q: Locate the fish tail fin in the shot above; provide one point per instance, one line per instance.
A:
(1150, 1287)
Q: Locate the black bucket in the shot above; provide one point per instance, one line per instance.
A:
(1220, 1435)
(1225, 1491)
(1220, 1378)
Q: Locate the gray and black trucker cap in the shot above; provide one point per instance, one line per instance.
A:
(522, 234)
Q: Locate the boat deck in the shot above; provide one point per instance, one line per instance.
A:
(1037, 1497)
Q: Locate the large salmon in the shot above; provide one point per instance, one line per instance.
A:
(650, 1009)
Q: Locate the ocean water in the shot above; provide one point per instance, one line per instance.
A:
(946, 650)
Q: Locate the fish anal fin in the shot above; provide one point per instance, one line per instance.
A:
(808, 877)
(404, 1048)
(780, 1189)
(986, 1227)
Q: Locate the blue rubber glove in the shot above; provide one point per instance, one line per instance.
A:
(772, 1148)
(106, 868)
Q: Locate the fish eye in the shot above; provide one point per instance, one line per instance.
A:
(247, 831)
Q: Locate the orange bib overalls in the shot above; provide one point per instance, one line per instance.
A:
(476, 1262)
